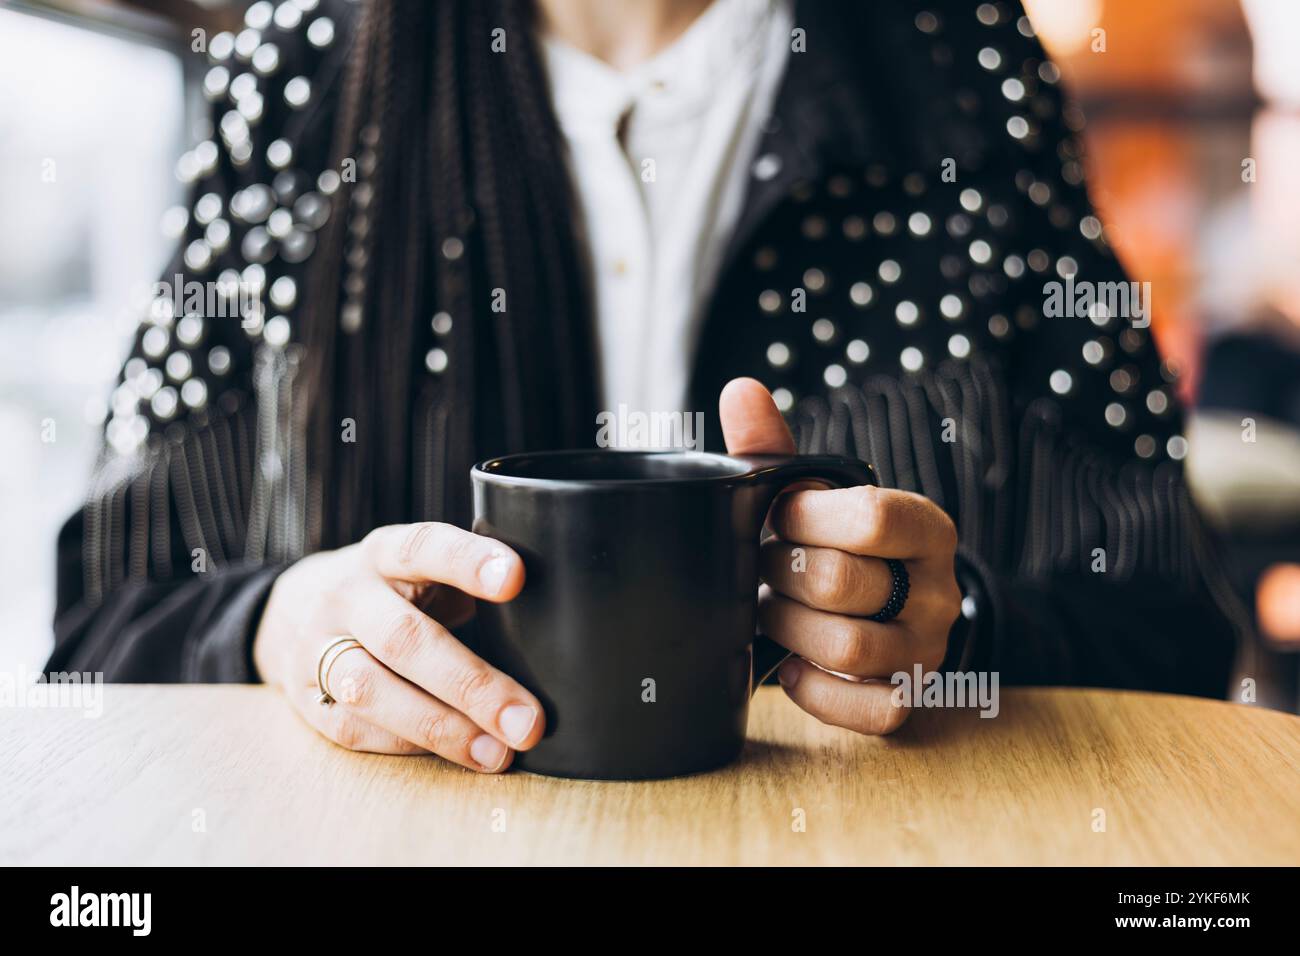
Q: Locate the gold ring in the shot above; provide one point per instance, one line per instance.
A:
(326, 660)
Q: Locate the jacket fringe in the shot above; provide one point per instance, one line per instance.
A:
(950, 429)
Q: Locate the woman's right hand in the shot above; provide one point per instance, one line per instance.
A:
(411, 687)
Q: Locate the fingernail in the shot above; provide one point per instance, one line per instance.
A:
(493, 574)
(788, 673)
(488, 752)
(517, 722)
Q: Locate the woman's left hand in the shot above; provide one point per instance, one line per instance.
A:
(825, 575)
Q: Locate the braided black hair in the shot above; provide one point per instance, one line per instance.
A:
(464, 192)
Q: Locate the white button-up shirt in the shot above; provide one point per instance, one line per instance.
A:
(660, 156)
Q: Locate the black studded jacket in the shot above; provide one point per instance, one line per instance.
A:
(918, 188)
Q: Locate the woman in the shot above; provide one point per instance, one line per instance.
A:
(466, 227)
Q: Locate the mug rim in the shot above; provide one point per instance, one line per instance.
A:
(481, 470)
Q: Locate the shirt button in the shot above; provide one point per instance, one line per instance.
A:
(618, 267)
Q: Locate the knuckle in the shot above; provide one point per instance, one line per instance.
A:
(435, 729)
(831, 580)
(320, 616)
(374, 541)
(349, 732)
(937, 608)
(794, 508)
(947, 531)
(414, 542)
(473, 687)
(871, 517)
(850, 647)
(883, 714)
(401, 637)
(355, 685)
(334, 604)
(931, 659)
(460, 549)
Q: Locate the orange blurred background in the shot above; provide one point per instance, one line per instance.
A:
(1193, 135)
(1173, 111)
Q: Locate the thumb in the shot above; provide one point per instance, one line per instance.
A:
(751, 422)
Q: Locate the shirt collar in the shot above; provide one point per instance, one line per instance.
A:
(725, 42)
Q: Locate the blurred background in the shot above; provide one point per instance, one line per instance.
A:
(1193, 130)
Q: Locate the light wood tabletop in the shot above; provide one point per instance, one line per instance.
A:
(229, 775)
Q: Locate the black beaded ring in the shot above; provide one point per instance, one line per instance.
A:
(897, 594)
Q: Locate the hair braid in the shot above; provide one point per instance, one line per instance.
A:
(465, 137)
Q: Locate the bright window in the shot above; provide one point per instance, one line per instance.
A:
(91, 121)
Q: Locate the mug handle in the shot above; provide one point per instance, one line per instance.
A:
(775, 473)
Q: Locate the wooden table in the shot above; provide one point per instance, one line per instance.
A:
(204, 775)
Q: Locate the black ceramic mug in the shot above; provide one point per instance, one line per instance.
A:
(636, 624)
